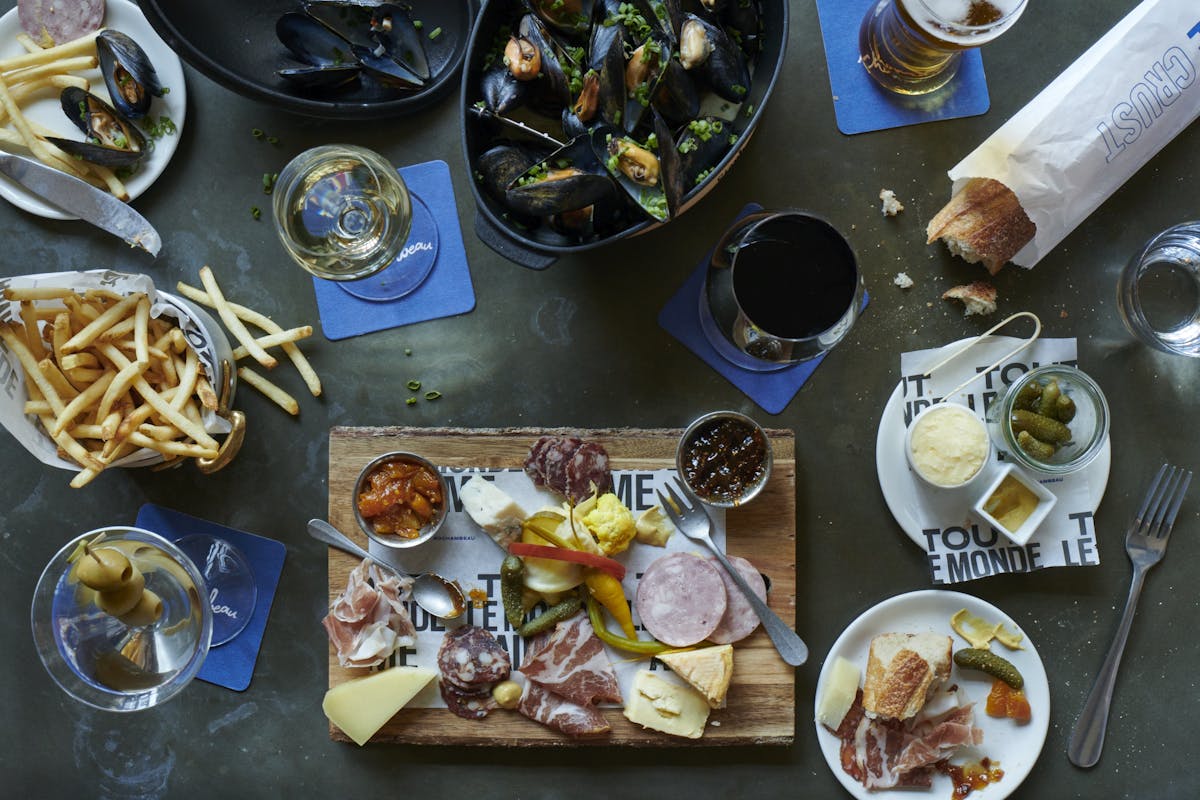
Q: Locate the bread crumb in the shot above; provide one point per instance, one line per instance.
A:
(891, 206)
(978, 297)
(1062, 314)
(902, 280)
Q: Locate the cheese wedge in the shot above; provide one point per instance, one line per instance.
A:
(709, 670)
(667, 707)
(362, 706)
(840, 690)
(492, 509)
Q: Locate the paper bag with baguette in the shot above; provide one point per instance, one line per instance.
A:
(1020, 193)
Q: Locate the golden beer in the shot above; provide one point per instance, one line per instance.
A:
(915, 46)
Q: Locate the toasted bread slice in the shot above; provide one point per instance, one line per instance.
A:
(901, 669)
(983, 222)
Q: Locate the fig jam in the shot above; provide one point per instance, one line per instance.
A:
(724, 459)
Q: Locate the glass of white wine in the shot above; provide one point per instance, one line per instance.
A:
(121, 619)
(342, 212)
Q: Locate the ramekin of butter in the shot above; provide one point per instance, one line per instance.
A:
(1014, 504)
(948, 447)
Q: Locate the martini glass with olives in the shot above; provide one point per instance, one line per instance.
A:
(121, 619)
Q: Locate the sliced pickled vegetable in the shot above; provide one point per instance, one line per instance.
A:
(1007, 702)
(614, 568)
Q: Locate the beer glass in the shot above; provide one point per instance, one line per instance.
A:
(915, 47)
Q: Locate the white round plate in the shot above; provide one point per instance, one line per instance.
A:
(1015, 747)
(911, 501)
(127, 18)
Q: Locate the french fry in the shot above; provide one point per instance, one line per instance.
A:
(75, 360)
(87, 432)
(173, 447)
(59, 381)
(86, 399)
(196, 432)
(235, 325)
(84, 45)
(32, 334)
(118, 331)
(82, 376)
(141, 330)
(26, 41)
(163, 433)
(267, 324)
(119, 386)
(37, 408)
(208, 398)
(187, 380)
(100, 324)
(269, 390)
(36, 293)
(108, 427)
(37, 72)
(23, 354)
(276, 339)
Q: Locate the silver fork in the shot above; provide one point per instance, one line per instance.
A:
(694, 522)
(1146, 543)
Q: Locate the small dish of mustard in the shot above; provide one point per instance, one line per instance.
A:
(1014, 503)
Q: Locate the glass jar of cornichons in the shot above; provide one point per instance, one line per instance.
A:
(1053, 420)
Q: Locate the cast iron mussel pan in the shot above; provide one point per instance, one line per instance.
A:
(235, 44)
(537, 244)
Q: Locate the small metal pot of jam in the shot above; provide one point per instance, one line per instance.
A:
(724, 459)
(400, 500)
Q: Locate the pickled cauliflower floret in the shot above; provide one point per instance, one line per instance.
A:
(611, 523)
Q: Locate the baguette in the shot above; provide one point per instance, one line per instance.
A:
(983, 222)
(901, 669)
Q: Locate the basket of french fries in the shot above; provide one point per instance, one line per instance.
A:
(99, 369)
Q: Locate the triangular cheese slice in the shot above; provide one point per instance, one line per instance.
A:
(709, 670)
(362, 706)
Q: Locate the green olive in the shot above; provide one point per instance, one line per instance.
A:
(104, 569)
(125, 599)
(147, 611)
(507, 694)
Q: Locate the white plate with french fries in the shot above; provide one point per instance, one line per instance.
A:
(34, 79)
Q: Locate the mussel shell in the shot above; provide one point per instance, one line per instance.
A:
(572, 17)
(701, 146)
(607, 57)
(677, 97)
(724, 68)
(578, 181)
(386, 69)
(635, 108)
(659, 201)
(323, 77)
(743, 19)
(499, 166)
(312, 41)
(554, 85)
(514, 129)
(392, 27)
(501, 91)
(128, 73)
(102, 125)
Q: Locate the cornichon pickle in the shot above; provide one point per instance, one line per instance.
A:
(1027, 395)
(1034, 447)
(512, 573)
(553, 615)
(1064, 409)
(1050, 394)
(1040, 426)
(992, 664)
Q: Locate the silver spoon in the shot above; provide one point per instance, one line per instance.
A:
(439, 596)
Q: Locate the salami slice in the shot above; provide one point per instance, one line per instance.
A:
(534, 462)
(470, 659)
(588, 466)
(681, 599)
(52, 22)
(468, 704)
(739, 620)
(555, 458)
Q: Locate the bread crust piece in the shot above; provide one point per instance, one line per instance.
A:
(901, 669)
(983, 222)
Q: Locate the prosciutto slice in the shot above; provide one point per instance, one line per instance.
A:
(572, 663)
(368, 621)
(554, 711)
(887, 753)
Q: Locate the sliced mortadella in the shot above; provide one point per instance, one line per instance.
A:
(739, 620)
(681, 599)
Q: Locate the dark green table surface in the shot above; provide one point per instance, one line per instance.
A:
(579, 345)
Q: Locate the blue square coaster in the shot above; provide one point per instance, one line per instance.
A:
(347, 308)
(861, 105)
(680, 317)
(232, 664)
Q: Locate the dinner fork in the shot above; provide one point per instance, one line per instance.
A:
(694, 522)
(1146, 543)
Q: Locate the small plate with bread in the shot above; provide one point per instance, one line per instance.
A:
(891, 682)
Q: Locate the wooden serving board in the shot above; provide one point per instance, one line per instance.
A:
(761, 702)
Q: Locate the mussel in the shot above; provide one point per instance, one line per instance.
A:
(332, 76)
(648, 171)
(128, 73)
(701, 144)
(711, 52)
(393, 28)
(567, 180)
(571, 17)
(312, 42)
(111, 140)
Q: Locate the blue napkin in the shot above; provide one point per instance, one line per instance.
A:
(680, 317)
(354, 308)
(232, 664)
(861, 105)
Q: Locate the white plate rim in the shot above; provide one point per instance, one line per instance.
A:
(888, 615)
(124, 16)
(897, 481)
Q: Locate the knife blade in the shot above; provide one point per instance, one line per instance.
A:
(84, 200)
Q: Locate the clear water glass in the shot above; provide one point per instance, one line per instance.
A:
(342, 212)
(1158, 293)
